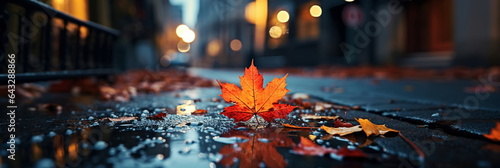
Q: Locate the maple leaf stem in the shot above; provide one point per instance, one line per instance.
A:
(413, 145)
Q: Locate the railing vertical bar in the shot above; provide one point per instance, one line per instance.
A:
(62, 45)
(96, 51)
(47, 44)
(87, 53)
(77, 49)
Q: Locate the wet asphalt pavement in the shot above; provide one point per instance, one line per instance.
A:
(91, 133)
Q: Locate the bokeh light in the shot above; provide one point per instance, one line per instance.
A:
(188, 36)
(235, 45)
(275, 32)
(315, 11)
(213, 48)
(250, 12)
(181, 29)
(183, 46)
(283, 16)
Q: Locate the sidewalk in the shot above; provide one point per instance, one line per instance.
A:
(89, 132)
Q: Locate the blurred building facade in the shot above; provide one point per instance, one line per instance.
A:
(420, 33)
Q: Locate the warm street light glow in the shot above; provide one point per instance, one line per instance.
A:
(283, 16)
(349, 0)
(275, 32)
(213, 48)
(188, 36)
(235, 45)
(181, 29)
(260, 25)
(250, 12)
(315, 11)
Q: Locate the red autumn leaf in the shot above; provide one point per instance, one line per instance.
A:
(258, 147)
(199, 112)
(339, 123)
(252, 99)
(494, 134)
(158, 116)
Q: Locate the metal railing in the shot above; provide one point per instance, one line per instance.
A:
(49, 44)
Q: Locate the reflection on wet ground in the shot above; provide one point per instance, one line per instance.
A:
(90, 133)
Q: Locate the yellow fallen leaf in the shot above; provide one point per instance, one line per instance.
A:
(373, 129)
(342, 130)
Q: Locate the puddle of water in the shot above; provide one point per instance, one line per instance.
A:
(82, 139)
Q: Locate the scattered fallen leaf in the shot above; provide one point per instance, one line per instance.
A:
(26, 90)
(340, 107)
(300, 96)
(372, 129)
(494, 134)
(342, 130)
(50, 109)
(253, 100)
(199, 112)
(158, 116)
(297, 127)
(114, 94)
(308, 147)
(315, 117)
(339, 123)
(320, 106)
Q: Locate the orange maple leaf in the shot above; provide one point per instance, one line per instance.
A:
(494, 134)
(252, 99)
(373, 129)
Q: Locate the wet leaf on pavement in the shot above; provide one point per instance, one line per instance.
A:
(339, 123)
(342, 130)
(252, 99)
(158, 116)
(373, 129)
